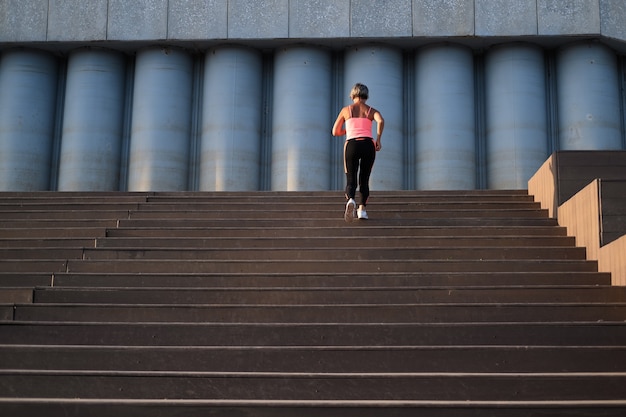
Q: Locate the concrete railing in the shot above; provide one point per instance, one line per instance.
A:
(585, 192)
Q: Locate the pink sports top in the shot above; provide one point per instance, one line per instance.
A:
(359, 127)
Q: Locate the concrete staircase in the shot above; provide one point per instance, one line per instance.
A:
(268, 304)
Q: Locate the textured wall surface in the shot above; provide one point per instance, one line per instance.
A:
(475, 93)
(215, 20)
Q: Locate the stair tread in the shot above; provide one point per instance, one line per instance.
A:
(314, 334)
(326, 313)
(320, 359)
(308, 386)
(335, 295)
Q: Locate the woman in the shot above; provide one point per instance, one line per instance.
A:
(359, 150)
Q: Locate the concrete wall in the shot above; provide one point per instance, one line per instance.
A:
(189, 20)
(584, 191)
(442, 72)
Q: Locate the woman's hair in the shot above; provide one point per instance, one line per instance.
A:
(360, 90)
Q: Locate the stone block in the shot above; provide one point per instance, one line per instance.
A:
(23, 20)
(260, 19)
(77, 20)
(613, 19)
(568, 17)
(197, 19)
(137, 20)
(319, 18)
(506, 17)
(443, 17)
(381, 18)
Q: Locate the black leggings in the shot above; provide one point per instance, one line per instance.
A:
(358, 157)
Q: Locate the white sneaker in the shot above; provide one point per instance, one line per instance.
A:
(350, 213)
(361, 213)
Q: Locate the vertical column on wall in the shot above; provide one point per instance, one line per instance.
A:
(161, 121)
(381, 69)
(622, 89)
(28, 87)
(231, 121)
(92, 121)
(516, 119)
(338, 176)
(301, 123)
(445, 121)
(588, 97)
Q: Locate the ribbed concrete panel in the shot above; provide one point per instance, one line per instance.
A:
(380, 68)
(445, 118)
(588, 98)
(301, 121)
(231, 123)
(92, 121)
(161, 126)
(28, 84)
(517, 126)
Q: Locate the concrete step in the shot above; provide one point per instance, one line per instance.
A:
(337, 295)
(40, 231)
(36, 225)
(351, 253)
(311, 207)
(403, 408)
(264, 214)
(308, 242)
(348, 265)
(12, 295)
(305, 280)
(336, 221)
(312, 196)
(315, 408)
(355, 230)
(41, 253)
(258, 213)
(282, 266)
(86, 215)
(33, 266)
(325, 313)
(28, 280)
(121, 385)
(41, 243)
(524, 334)
(317, 359)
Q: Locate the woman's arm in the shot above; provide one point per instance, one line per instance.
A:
(338, 127)
(380, 126)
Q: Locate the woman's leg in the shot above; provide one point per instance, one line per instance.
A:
(350, 166)
(367, 155)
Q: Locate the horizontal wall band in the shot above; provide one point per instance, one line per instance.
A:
(211, 21)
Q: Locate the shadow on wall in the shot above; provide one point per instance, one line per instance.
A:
(586, 192)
